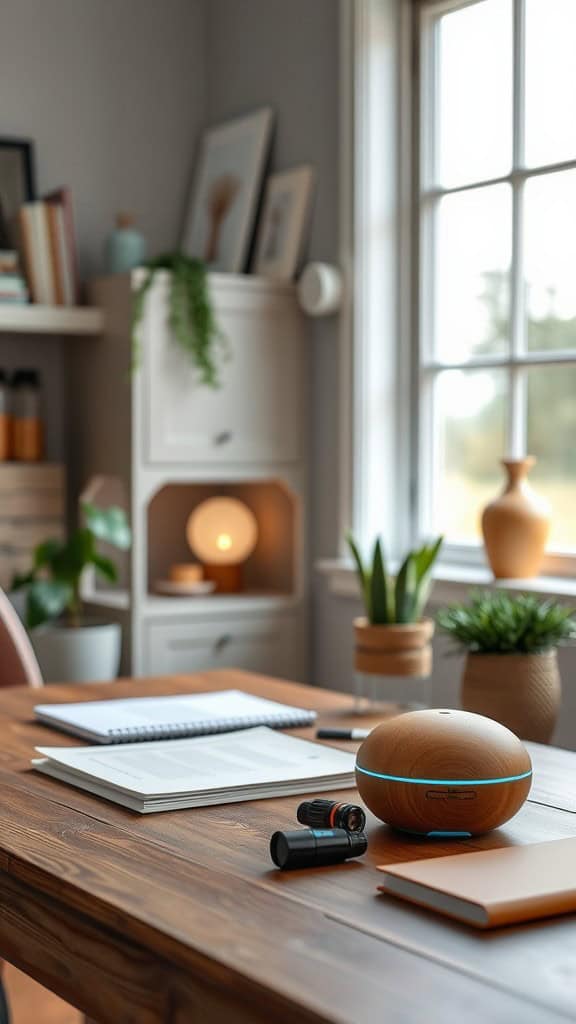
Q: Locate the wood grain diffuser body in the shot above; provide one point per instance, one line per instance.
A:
(443, 772)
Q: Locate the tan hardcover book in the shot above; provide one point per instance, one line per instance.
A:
(55, 252)
(25, 224)
(492, 887)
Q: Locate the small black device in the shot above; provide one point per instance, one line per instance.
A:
(308, 848)
(331, 814)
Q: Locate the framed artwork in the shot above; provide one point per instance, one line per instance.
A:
(283, 223)
(16, 185)
(226, 190)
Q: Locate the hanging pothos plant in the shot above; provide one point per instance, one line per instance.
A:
(191, 316)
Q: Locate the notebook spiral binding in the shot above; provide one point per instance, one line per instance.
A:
(208, 728)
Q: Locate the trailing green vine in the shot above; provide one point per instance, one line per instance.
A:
(191, 317)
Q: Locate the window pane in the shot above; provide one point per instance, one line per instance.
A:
(473, 246)
(469, 431)
(475, 92)
(550, 81)
(550, 260)
(551, 434)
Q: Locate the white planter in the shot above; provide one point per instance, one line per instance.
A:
(86, 654)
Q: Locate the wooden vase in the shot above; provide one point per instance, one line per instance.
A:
(516, 525)
(394, 650)
(521, 691)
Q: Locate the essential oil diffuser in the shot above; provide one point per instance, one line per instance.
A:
(443, 773)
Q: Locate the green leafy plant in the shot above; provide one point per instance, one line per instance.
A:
(499, 623)
(400, 600)
(191, 316)
(53, 584)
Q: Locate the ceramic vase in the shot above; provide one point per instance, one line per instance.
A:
(521, 691)
(516, 525)
(394, 650)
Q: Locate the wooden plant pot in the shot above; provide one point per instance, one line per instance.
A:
(522, 691)
(395, 650)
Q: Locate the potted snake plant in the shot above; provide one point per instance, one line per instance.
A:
(393, 638)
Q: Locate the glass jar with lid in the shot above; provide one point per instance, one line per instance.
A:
(5, 418)
(28, 427)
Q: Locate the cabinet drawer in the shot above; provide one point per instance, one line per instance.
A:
(256, 415)
(260, 644)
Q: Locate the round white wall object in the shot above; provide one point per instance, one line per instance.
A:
(222, 531)
(320, 289)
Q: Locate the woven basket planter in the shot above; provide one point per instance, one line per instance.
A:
(395, 650)
(522, 691)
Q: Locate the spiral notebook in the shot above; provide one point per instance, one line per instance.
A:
(159, 718)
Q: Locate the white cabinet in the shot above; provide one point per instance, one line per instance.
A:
(256, 415)
(264, 644)
(165, 442)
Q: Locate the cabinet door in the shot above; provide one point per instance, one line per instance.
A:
(259, 645)
(256, 414)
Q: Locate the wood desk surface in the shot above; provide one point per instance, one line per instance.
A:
(179, 917)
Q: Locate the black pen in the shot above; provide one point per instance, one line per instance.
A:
(342, 734)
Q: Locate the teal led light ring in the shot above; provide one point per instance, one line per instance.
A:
(443, 782)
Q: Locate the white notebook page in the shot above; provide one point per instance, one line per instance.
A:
(252, 757)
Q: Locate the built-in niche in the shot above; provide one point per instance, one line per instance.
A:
(270, 569)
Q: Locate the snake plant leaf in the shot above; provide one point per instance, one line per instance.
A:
(405, 590)
(426, 557)
(378, 588)
(363, 574)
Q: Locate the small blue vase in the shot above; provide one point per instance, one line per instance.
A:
(125, 248)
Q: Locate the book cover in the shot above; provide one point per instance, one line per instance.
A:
(63, 197)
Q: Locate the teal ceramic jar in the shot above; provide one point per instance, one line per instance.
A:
(125, 248)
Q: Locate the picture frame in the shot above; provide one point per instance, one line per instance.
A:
(224, 199)
(283, 223)
(17, 185)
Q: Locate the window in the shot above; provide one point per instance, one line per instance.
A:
(497, 255)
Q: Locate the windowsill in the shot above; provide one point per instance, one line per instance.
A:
(452, 582)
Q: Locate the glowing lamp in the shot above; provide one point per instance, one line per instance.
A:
(222, 533)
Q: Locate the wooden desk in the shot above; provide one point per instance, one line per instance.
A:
(178, 917)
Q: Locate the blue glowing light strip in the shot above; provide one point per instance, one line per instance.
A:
(443, 782)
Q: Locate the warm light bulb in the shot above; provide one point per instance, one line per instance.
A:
(222, 531)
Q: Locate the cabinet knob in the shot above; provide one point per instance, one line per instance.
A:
(223, 437)
(222, 642)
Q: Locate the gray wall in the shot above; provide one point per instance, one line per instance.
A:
(112, 93)
(285, 53)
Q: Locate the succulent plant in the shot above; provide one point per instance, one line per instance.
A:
(500, 623)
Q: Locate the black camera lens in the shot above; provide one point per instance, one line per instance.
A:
(331, 814)
(305, 848)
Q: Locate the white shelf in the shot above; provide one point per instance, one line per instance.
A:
(159, 606)
(35, 319)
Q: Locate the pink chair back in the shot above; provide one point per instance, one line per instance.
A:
(18, 665)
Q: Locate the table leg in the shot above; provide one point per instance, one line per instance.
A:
(4, 1014)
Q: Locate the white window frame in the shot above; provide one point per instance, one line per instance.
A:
(427, 195)
(393, 454)
(375, 239)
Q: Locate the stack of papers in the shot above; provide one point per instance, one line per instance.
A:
(164, 776)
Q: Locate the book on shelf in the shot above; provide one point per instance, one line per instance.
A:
(49, 249)
(12, 284)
